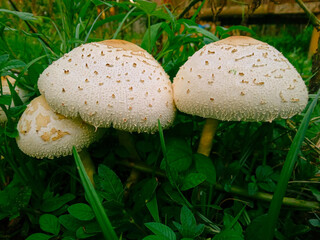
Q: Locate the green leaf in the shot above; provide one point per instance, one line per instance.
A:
(189, 227)
(39, 236)
(23, 15)
(5, 100)
(80, 233)
(252, 188)
(69, 238)
(161, 230)
(231, 222)
(202, 31)
(49, 223)
(192, 180)
(160, 14)
(147, 7)
(155, 237)
(291, 229)
(148, 189)
(147, 43)
(172, 18)
(316, 193)
(186, 217)
(268, 185)
(52, 204)
(4, 58)
(81, 211)
(255, 230)
(205, 166)
(70, 222)
(13, 64)
(92, 227)
(228, 234)
(315, 222)
(94, 200)
(13, 198)
(152, 206)
(179, 154)
(263, 172)
(173, 194)
(16, 111)
(110, 184)
(15, 97)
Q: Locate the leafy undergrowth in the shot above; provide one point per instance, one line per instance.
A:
(180, 194)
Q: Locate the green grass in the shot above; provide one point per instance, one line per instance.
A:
(255, 164)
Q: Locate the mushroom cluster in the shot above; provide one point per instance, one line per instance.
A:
(117, 84)
(238, 79)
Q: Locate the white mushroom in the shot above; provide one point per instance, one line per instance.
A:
(6, 90)
(46, 134)
(113, 83)
(238, 79)
(110, 83)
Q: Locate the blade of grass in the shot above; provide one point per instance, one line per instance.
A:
(94, 22)
(276, 202)
(94, 200)
(122, 22)
(198, 11)
(168, 170)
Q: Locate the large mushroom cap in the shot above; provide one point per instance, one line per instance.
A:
(6, 90)
(239, 79)
(43, 133)
(110, 83)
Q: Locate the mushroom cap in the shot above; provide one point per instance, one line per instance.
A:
(44, 133)
(6, 90)
(239, 79)
(110, 83)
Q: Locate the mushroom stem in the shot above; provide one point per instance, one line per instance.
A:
(88, 164)
(207, 135)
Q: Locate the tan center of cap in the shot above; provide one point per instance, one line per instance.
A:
(239, 41)
(127, 46)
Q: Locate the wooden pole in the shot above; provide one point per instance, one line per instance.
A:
(314, 41)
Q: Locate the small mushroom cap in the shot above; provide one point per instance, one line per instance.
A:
(44, 133)
(6, 90)
(110, 83)
(239, 79)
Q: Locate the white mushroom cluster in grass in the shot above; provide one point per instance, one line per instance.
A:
(110, 83)
(238, 79)
(115, 83)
